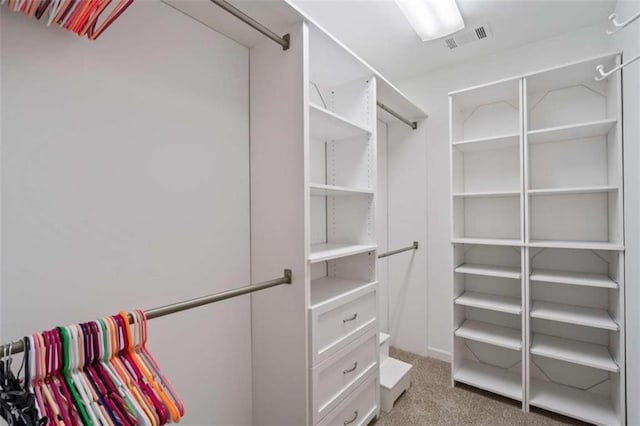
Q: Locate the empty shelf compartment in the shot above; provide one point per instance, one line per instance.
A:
(322, 252)
(492, 334)
(492, 302)
(490, 270)
(572, 314)
(573, 131)
(487, 241)
(574, 351)
(573, 278)
(586, 406)
(488, 377)
(329, 288)
(326, 125)
(488, 143)
(573, 190)
(331, 190)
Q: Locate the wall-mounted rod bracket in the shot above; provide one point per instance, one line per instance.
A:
(412, 124)
(282, 41)
(287, 278)
(413, 246)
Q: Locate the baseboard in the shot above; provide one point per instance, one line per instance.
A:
(439, 354)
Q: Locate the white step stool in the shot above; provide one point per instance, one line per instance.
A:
(395, 376)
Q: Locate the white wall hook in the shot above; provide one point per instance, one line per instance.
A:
(619, 25)
(603, 74)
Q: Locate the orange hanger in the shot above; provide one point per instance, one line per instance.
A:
(146, 370)
(126, 378)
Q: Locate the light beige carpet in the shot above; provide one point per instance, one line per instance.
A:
(432, 401)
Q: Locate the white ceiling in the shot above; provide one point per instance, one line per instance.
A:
(378, 32)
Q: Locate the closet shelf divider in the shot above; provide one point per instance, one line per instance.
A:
(576, 190)
(491, 302)
(332, 190)
(494, 379)
(487, 194)
(572, 278)
(574, 351)
(487, 241)
(326, 125)
(329, 251)
(488, 143)
(569, 244)
(490, 270)
(491, 334)
(586, 406)
(572, 131)
(327, 289)
(573, 314)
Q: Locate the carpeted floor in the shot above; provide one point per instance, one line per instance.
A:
(432, 401)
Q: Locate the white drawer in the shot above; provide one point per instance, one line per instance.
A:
(340, 374)
(339, 321)
(358, 408)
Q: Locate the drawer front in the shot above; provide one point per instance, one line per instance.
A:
(358, 408)
(339, 375)
(339, 322)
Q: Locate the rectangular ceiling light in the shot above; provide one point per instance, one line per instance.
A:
(432, 19)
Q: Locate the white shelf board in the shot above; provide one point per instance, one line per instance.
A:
(572, 278)
(488, 143)
(322, 252)
(587, 245)
(326, 125)
(392, 371)
(487, 241)
(328, 288)
(486, 194)
(317, 189)
(494, 379)
(582, 405)
(572, 131)
(491, 302)
(496, 91)
(572, 314)
(580, 190)
(492, 334)
(490, 270)
(574, 351)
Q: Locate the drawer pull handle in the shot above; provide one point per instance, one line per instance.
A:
(351, 318)
(348, 422)
(349, 370)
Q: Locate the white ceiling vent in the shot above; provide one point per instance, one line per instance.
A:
(480, 32)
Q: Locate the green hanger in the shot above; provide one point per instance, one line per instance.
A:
(65, 373)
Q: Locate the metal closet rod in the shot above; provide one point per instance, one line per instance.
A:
(412, 124)
(413, 246)
(282, 41)
(18, 346)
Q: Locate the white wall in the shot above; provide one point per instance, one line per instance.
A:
(430, 92)
(628, 40)
(125, 184)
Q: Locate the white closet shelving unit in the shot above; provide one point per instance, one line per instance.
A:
(313, 188)
(340, 176)
(538, 240)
